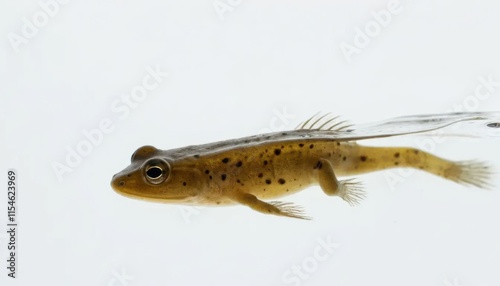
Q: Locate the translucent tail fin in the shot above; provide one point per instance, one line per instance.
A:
(471, 173)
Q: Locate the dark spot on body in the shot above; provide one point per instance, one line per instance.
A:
(281, 181)
(277, 152)
(363, 158)
(311, 146)
(265, 162)
(239, 164)
(283, 133)
(416, 152)
(184, 183)
(282, 146)
(344, 158)
(268, 181)
(207, 172)
(338, 143)
(223, 177)
(396, 163)
(261, 175)
(196, 156)
(301, 145)
(225, 160)
(218, 203)
(121, 183)
(210, 177)
(396, 154)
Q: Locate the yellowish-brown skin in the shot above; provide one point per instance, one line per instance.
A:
(253, 170)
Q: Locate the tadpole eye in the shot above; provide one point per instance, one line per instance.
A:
(156, 171)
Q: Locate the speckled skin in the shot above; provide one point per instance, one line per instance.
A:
(264, 167)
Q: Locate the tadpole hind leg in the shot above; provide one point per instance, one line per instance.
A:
(349, 190)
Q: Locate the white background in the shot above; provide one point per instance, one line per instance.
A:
(230, 73)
